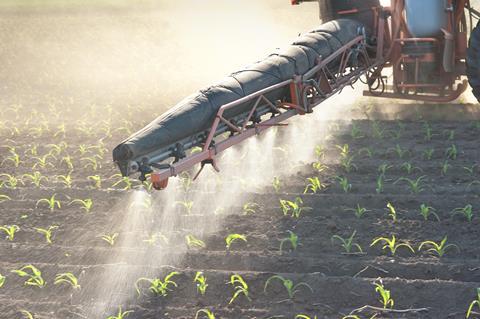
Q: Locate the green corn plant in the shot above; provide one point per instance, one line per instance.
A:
(121, 314)
(187, 205)
(319, 152)
(314, 185)
(466, 211)
(33, 274)
(295, 208)
(383, 168)
(68, 162)
(392, 212)
(66, 180)
(344, 183)
(276, 184)
(10, 231)
(444, 167)
(470, 169)
(206, 313)
(42, 161)
(47, 232)
(401, 153)
(193, 242)
(240, 288)
(91, 162)
(96, 180)
(409, 168)
(292, 239)
(302, 316)
(415, 185)
(14, 158)
(186, 181)
(125, 180)
(2, 280)
(9, 181)
(377, 130)
(366, 151)
(4, 198)
(385, 296)
(56, 149)
(359, 211)
(451, 152)
(201, 282)
(474, 303)
(438, 248)
(427, 211)
(67, 278)
(319, 167)
(380, 184)
(158, 286)
(288, 284)
(60, 131)
(27, 314)
(110, 239)
(344, 150)
(391, 244)
(428, 153)
(51, 202)
(231, 238)
(428, 131)
(35, 178)
(154, 238)
(355, 131)
(347, 164)
(85, 204)
(347, 243)
(250, 208)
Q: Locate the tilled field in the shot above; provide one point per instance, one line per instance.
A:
(370, 179)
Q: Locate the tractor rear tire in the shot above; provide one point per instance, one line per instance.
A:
(473, 61)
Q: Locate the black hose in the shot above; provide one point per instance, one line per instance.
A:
(473, 61)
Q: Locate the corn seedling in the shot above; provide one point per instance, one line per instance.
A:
(415, 185)
(438, 248)
(385, 296)
(377, 130)
(193, 242)
(474, 303)
(125, 180)
(428, 131)
(470, 169)
(347, 164)
(344, 184)
(409, 168)
(276, 184)
(292, 239)
(392, 212)
(4, 198)
(427, 211)
(121, 314)
(466, 211)
(319, 152)
(359, 211)
(42, 161)
(33, 274)
(250, 208)
(47, 232)
(206, 313)
(391, 244)
(401, 153)
(153, 239)
(291, 288)
(355, 132)
(451, 152)
(186, 181)
(36, 178)
(344, 150)
(305, 317)
(187, 205)
(85, 204)
(2, 280)
(232, 238)
(380, 184)
(383, 168)
(14, 158)
(428, 153)
(295, 208)
(239, 286)
(444, 168)
(347, 243)
(91, 162)
(10, 231)
(9, 181)
(314, 185)
(67, 278)
(51, 202)
(366, 151)
(27, 314)
(201, 282)
(110, 239)
(319, 167)
(97, 181)
(68, 162)
(66, 180)
(158, 286)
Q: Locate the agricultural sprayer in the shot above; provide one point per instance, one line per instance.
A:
(406, 49)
